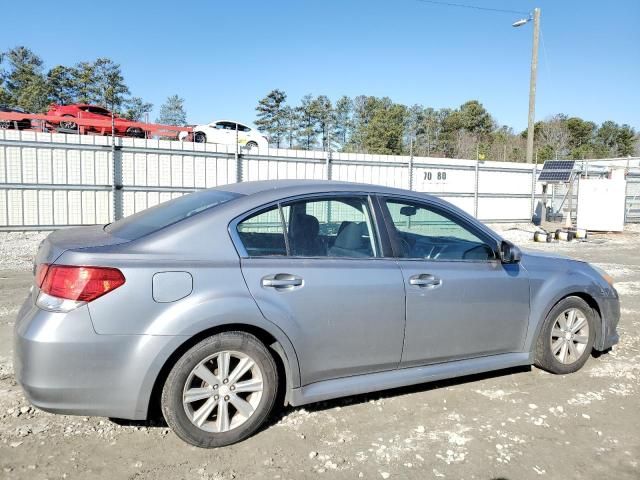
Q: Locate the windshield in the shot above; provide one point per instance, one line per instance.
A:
(154, 218)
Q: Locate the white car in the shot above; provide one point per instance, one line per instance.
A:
(228, 132)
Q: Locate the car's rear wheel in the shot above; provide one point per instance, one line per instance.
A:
(567, 336)
(5, 124)
(199, 137)
(221, 390)
(251, 144)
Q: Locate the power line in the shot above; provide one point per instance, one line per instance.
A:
(474, 7)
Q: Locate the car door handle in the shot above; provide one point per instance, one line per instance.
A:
(281, 281)
(425, 280)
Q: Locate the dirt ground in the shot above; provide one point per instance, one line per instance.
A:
(514, 424)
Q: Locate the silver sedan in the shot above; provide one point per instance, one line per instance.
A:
(212, 306)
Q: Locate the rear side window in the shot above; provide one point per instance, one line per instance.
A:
(327, 227)
(167, 213)
(263, 235)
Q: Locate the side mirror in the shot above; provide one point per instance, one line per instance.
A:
(408, 211)
(509, 253)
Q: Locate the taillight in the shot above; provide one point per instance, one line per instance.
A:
(41, 272)
(82, 284)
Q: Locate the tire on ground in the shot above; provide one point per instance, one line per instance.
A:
(172, 393)
(544, 357)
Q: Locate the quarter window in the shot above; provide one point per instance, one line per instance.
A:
(425, 233)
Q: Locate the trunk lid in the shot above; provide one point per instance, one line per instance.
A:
(73, 238)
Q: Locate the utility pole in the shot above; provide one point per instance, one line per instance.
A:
(532, 84)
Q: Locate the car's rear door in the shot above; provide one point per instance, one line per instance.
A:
(462, 302)
(315, 268)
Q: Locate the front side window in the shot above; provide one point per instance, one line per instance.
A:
(423, 232)
(335, 227)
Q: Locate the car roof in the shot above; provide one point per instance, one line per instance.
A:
(299, 187)
(230, 121)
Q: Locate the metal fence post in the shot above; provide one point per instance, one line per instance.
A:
(475, 190)
(534, 174)
(116, 181)
(328, 165)
(411, 172)
(239, 169)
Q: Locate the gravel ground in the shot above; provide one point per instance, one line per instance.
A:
(515, 424)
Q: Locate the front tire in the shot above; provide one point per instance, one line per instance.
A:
(251, 144)
(567, 337)
(199, 137)
(68, 124)
(221, 390)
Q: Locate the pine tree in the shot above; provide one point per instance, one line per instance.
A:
(108, 86)
(271, 116)
(83, 75)
(343, 121)
(291, 121)
(307, 122)
(136, 108)
(324, 115)
(61, 85)
(24, 83)
(172, 112)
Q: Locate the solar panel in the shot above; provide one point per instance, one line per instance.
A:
(556, 171)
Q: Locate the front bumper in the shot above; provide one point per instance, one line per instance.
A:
(65, 367)
(610, 316)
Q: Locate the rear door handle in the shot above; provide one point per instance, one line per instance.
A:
(281, 281)
(425, 280)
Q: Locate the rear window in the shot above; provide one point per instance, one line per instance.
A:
(167, 213)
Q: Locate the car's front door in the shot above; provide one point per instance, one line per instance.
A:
(462, 302)
(314, 267)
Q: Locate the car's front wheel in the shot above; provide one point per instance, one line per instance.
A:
(68, 124)
(199, 137)
(221, 390)
(251, 144)
(567, 336)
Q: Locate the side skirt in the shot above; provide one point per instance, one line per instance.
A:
(343, 387)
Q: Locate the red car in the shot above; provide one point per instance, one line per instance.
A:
(93, 112)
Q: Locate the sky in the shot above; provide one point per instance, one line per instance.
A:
(223, 56)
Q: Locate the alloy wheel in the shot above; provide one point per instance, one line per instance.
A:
(569, 336)
(223, 391)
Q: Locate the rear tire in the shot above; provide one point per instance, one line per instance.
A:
(233, 399)
(567, 336)
(251, 144)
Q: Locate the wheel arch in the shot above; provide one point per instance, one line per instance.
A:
(288, 371)
(583, 295)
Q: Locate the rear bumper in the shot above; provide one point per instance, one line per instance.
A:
(65, 367)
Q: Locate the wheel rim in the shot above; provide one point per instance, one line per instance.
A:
(200, 138)
(5, 124)
(223, 391)
(251, 144)
(569, 336)
(68, 125)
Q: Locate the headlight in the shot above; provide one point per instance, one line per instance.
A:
(605, 276)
